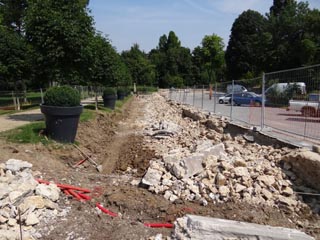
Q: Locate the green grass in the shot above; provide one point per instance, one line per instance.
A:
(120, 103)
(30, 133)
(87, 115)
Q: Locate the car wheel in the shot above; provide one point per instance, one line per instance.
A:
(221, 101)
(257, 104)
(234, 103)
(308, 112)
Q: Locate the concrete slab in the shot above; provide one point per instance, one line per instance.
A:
(205, 228)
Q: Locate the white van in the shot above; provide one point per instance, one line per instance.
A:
(281, 87)
(237, 88)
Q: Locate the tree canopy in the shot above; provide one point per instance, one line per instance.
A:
(46, 41)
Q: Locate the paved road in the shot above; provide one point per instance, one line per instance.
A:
(278, 119)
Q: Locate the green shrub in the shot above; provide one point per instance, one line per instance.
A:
(146, 89)
(109, 91)
(63, 96)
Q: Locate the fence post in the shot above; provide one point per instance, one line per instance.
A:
(194, 93)
(263, 101)
(215, 97)
(41, 94)
(14, 101)
(202, 97)
(18, 104)
(231, 108)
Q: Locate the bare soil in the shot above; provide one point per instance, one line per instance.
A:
(114, 141)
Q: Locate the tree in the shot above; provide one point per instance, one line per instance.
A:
(173, 62)
(59, 31)
(213, 56)
(104, 66)
(246, 48)
(15, 64)
(289, 39)
(13, 13)
(140, 67)
(279, 6)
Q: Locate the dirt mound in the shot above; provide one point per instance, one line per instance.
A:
(134, 155)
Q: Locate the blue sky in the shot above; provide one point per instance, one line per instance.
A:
(143, 21)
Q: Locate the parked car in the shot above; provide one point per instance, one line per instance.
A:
(237, 88)
(282, 87)
(309, 108)
(225, 98)
(246, 98)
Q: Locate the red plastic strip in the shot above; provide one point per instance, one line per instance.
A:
(159, 225)
(66, 192)
(73, 193)
(79, 163)
(84, 196)
(112, 214)
(65, 186)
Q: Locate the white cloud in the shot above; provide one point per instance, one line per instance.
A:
(236, 7)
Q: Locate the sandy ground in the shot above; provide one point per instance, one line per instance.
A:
(116, 142)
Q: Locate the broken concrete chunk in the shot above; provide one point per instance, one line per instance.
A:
(239, 188)
(266, 194)
(309, 162)
(267, 180)
(220, 179)
(50, 191)
(16, 165)
(224, 191)
(241, 172)
(205, 228)
(32, 219)
(152, 177)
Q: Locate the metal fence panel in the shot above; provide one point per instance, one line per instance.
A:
(293, 101)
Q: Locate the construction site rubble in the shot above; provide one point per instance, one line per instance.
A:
(23, 202)
(203, 162)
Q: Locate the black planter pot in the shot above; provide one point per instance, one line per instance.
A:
(61, 122)
(121, 95)
(109, 101)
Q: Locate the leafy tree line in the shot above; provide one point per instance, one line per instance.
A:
(286, 37)
(47, 41)
(43, 42)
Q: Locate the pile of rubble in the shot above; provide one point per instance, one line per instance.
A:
(23, 202)
(200, 162)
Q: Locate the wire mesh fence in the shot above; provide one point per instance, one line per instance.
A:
(286, 101)
(293, 101)
(19, 100)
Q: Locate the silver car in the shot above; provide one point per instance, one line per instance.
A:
(225, 99)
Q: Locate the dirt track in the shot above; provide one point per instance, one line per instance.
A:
(115, 141)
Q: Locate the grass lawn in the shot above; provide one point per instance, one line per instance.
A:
(33, 132)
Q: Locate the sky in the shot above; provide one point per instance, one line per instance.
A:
(126, 22)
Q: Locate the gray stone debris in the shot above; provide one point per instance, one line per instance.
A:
(309, 162)
(20, 191)
(16, 165)
(204, 162)
(205, 228)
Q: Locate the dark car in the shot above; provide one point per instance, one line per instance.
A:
(246, 98)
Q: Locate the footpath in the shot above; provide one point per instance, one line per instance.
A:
(14, 120)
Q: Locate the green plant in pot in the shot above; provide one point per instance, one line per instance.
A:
(122, 92)
(109, 97)
(62, 110)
